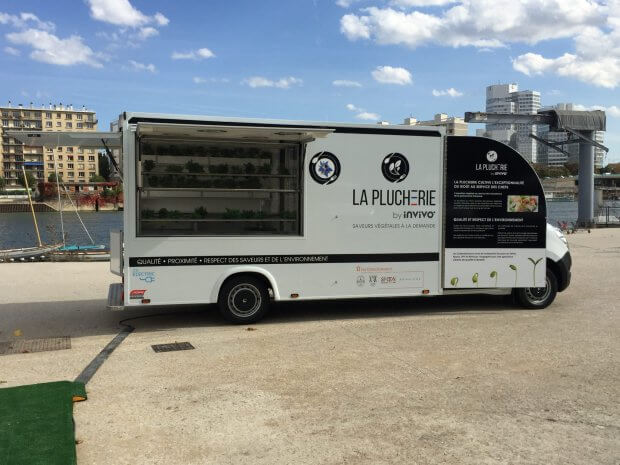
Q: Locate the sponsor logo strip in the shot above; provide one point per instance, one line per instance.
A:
(282, 259)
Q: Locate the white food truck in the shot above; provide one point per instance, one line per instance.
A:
(240, 212)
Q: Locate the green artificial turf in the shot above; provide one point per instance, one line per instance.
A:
(36, 423)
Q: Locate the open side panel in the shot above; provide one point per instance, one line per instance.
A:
(86, 139)
(495, 217)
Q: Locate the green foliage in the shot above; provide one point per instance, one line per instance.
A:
(52, 178)
(148, 214)
(174, 169)
(193, 167)
(29, 177)
(97, 178)
(105, 168)
(232, 214)
(454, 281)
(200, 212)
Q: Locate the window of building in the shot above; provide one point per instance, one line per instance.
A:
(91, 158)
(5, 114)
(70, 174)
(59, 165)
(69, 125)
(91, 150)
(80, 174)
(16, 114)
(213, 188)
(50, 166)
(70, 157)
(50, 157)
(48, 124)
(80, 157)
(80, 125)
(68, 116)
(89, 125)
(59, 157)
(80, 150)
(91, 167)
(5, 122)
(70, 166)
(58, 115)
(58, 124)
(48, 114)
(69, 149)
(79, 116)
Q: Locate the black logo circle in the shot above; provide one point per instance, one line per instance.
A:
(324, 167)
(395, 167)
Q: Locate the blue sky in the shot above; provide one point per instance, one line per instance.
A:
(338, 60)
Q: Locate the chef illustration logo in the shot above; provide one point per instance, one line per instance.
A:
(324, 167)
(395, 167)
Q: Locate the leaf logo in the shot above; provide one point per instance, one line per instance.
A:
(395, 167)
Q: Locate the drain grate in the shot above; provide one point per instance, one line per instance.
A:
(26, 346)
(172, 347)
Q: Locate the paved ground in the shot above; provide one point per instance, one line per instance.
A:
(448, 380)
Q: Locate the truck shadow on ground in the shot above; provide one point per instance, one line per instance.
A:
(91, 318)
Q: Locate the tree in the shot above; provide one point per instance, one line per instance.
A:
(29, 177)
(97, 178)
(105, 169)
(573, 168)
(52, 177)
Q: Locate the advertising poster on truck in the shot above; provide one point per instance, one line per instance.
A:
(495, 224)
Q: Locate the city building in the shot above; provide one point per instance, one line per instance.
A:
(454, 126)
(556, 157)
(74, 164)
(507, 98)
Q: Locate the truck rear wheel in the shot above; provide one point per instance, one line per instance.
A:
(243, 299)
(538, 297)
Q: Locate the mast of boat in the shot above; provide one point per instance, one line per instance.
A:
(77, 213)
(34, 218)
(62, 224)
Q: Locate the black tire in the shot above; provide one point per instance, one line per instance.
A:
(538, 297)
(243, 299)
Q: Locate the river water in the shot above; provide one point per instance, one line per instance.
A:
(17, 230)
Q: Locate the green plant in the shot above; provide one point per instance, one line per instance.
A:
(52, 178)
(454, 281)
(148, 165)
(232, 214)
(163, 213)
(148, 213)
(248, 214)
(174, 169)
(534, 262)
(193, 167)
(107, 193)
(514, 268)
(29, 177)
(96, 178)
(494, 275)
(200, 212)
(249, 168)
(474, 279)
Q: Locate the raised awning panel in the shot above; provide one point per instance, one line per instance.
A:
(258, 133)
(60, 138)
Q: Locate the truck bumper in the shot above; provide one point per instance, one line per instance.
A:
(115, 297)
(564, 266)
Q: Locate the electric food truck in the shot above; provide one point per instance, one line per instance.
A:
(241, 212)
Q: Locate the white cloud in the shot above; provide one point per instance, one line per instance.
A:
(146, 32)
(391, 75)
(346, 3)
(451, 92)
(478, 23)
(122, 13)
(25, 20)
(199, 54)
(366, 115)
(48, 48)
(142, 66)
(345, 83)
(12, 51)
(282, 83)
(362, 114)
(422, 3)
(201, 80)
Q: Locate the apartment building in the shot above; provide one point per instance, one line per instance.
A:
(454, 126)
(507, 98)
(74, 164)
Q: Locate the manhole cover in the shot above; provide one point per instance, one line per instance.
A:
(172, 347)
(26, 346)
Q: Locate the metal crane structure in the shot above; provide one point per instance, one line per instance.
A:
(580, 126)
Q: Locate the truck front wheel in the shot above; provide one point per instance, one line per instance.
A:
(243, 299)
(538, 297)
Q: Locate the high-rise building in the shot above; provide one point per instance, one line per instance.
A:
(507, 98)
(557, 158)
(74, 164)
(454, 126)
